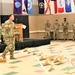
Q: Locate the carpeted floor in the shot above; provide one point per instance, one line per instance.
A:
(29, 63)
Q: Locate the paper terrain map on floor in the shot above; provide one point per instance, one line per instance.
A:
(57, 58)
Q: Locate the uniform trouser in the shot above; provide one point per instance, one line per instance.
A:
(0, 37)
(56, 34)
(65, 34)
(10, 42)
(47, 34)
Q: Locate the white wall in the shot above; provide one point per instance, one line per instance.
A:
(7, 1)
(0, 7)
(0, 1)
(35, 2)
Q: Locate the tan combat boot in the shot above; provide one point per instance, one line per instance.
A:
(3, 56)
(11, 57)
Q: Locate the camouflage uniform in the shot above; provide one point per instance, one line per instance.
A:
(56, 31)
(9, 38)
(65, 30)
(73, 25)
(47, 30)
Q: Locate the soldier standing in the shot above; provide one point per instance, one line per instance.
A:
(9, 38)
(65, 25)
(56, 30)
(47, 29)
(73, 25)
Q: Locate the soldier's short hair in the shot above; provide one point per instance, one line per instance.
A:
(56, 19)
(64, 19)
(11, 15)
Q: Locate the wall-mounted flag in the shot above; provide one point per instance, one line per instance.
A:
(47, 9)
(29, 6)
(17, 7)
(73, 5)
(60, 6)
(41, 6)
(24, 6)
(67, 5)
(53, 5)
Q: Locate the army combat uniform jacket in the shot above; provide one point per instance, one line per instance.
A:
(47, 30)
(65, 30)
(56, 30)
(9, 38)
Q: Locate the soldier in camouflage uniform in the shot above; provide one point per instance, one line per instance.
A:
(56, 30)
(8, 37)
(47, 29)
(73, 25)
(65, 25)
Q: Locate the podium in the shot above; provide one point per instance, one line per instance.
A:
(19, 33)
